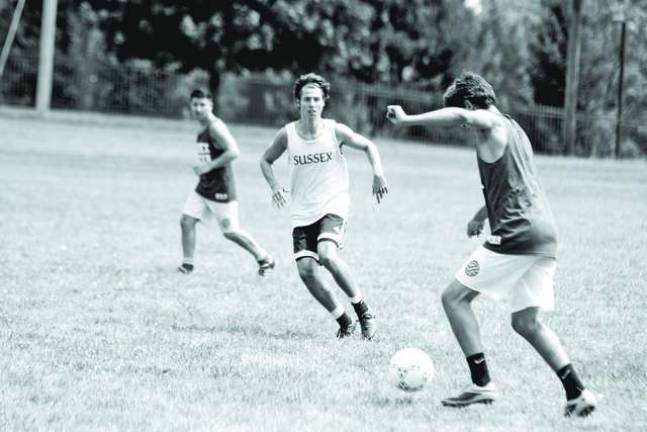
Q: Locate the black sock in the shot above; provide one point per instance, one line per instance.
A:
(478, 369)
(187, 266)
(345, 320)
(360, 308)
(571, 381)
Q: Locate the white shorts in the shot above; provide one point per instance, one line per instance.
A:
(226, 213)
(515, 281)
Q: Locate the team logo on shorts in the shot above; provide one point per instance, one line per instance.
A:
(472, 268)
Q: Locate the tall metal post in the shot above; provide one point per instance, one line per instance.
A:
(572, 75)
(621, 79)
(46, 57)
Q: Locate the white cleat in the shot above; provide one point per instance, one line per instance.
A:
(581, 406)
(472, 395)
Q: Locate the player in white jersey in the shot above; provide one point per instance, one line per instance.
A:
(319, 197)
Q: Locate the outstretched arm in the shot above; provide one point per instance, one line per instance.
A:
(354, 140)
(273, 152)
(444, 117)
(219, 132)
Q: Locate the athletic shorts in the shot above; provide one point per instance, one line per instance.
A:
(226, 213)
(515, 281)
(306, 238)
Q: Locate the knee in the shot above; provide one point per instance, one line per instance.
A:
(526, 326)
(307, 270)
(230, 235)
(450, 297)
(326, 260)
(327, 257)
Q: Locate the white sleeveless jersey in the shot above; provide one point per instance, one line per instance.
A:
(318, 175)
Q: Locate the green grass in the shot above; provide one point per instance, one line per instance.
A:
(99, 333)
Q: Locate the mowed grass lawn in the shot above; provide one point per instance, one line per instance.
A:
(98, 331)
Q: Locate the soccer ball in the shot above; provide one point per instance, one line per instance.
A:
(410, 369)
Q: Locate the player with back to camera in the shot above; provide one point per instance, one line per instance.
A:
(516, 264)
(320, 199)
(215, 193)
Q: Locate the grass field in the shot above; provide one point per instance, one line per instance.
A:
(98, 332)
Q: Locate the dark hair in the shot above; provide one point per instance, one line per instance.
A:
(472, 87)
(201, 93)
(311, 78)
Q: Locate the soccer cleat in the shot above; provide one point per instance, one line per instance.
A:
(265, 265)
(581, 406)
(185, 268)
(347, 331)
(368, 325)
(472, 395)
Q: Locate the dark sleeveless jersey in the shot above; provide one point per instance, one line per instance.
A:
(521, 221)
(218, 184)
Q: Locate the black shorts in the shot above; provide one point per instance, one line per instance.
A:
(305, 238)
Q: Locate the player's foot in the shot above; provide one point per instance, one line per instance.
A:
(185, 268)
(265, 265)
(368, 325)
(472, 395)
(581, 406)
(346, 331)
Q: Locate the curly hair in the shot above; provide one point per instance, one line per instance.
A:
(472, 87)
(311, 78)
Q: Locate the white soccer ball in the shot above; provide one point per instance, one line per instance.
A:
(410, 369)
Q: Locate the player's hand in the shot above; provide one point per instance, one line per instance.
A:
(279, 197)
(379, 187)
(200, 169)
(475, 227)
(395, 114)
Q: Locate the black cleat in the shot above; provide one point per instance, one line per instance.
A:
(345, 332)
(368, 325)
(266, 265)
(185, 268)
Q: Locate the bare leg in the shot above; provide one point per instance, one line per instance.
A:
(330, 259)
(544, 340)
(187, 223)
(247, 242)
(309, 273)
(457, 299)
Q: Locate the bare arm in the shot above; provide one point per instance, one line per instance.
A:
(273, 152)
(354, 140)
(444, 117)
(475, 225)
(219, 132)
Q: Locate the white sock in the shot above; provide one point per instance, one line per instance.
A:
(358, 298)
(337, 312)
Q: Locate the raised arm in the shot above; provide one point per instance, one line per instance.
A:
(354, 140)
(273, 152)
(444, 117)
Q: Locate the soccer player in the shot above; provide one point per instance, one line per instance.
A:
(215, 193)
(516, 264)
(320, 200)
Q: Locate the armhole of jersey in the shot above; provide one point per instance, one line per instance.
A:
(290, 132)
(333, 133)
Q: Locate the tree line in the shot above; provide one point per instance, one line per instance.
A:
(420, 45)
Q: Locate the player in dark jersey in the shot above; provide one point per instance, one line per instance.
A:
(215, 193)
(516, 264)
